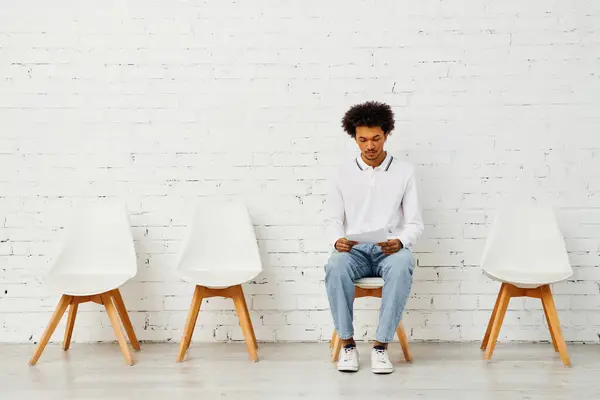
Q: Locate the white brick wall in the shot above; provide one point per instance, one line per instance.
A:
(159, 101)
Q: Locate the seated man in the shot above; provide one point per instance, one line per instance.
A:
(372, 192)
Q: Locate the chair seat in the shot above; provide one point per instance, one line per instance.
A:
(85, 284)
(370, 283)
(526, 279)
(217, 279)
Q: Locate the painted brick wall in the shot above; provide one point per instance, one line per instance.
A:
(157, 102)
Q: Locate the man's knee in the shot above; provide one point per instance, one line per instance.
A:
(338, 266)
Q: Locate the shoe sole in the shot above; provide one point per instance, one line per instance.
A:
(382, 371)
(348, 370)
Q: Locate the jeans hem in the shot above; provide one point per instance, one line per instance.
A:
(345, 337)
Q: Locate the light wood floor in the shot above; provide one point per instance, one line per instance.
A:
(297, 371)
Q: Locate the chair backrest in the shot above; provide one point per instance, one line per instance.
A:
(98, 240)
(221, 238)
(525, 237)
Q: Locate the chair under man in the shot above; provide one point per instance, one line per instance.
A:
(370, 287)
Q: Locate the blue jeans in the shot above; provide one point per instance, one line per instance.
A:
(367, 260)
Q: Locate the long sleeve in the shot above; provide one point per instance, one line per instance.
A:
(334, 214)
(413, 222)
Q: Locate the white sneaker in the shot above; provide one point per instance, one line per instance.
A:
(380, 362)
(348, 359)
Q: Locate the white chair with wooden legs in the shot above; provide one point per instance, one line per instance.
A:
(370, 287)
(526, 252)
(97, 257)
(219, 254)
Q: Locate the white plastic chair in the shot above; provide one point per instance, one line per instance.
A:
(370, 287)
(219, 254)
(96, 258)
(526, 252)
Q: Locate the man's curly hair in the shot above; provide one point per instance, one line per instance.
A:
(371, 114)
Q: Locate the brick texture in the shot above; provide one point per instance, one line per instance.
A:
(157, 102)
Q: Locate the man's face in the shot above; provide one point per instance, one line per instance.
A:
(370, 140)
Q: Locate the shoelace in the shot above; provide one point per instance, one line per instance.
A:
(347, 355)
(381, 356)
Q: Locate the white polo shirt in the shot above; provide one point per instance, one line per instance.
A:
(362, 198)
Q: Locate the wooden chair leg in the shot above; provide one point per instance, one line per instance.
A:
(240, 305)
(251, 326)
(333, 337)
(334, 341)
(548, 322)
(486, 337)
(70, 324)
(120, 305)
(336, 348)
(404, 342)
(54, 320)
(191, 322)
(114, 321)
(498, 319)
(550, 307)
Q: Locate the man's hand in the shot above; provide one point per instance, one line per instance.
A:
(344, 245)
(391, 246)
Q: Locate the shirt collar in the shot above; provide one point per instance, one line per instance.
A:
(385, 165)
